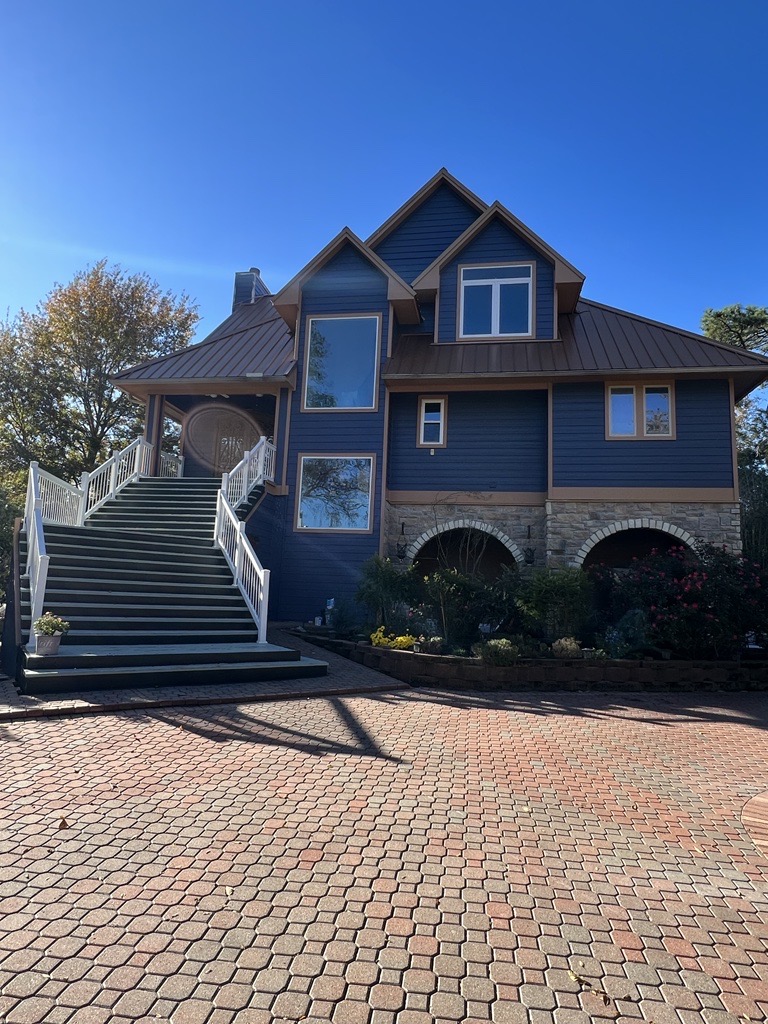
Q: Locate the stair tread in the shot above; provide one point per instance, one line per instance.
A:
(143, 670)
(120, 650)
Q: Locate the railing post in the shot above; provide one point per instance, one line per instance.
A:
(217, 521)
(84, 487)
(180, 470)
(239, 552)
(36, 607)
(113, 476)
(261, 636)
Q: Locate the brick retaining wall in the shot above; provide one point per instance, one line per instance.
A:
(552, 674)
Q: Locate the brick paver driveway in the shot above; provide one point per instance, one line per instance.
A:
(408, 857)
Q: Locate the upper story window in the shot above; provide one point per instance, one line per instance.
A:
(640, 411)
(431, 422)
(342, 363)
(496, 301)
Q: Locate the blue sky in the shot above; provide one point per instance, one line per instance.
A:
(190, 140)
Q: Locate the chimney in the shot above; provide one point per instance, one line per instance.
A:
(248, 287)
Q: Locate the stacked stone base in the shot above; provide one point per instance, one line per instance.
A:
(562, 533)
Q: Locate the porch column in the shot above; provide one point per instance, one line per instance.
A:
(153, 429)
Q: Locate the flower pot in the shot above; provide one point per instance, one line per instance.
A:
(47, 644)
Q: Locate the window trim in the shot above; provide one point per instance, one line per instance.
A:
(531, 333)
(371, 456)
(443, 402)
(639, 391)
(377, 363)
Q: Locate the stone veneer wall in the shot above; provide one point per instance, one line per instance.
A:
(571, 524)
(511, 520)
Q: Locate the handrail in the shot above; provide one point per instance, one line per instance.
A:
(255, 467)
(171, 465)
(111, 476)
(249, 574)
(37, 556)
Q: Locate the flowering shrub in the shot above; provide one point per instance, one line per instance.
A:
(567, 647)
(395, 643)
(497, 652)
(700, 604)
(432, 644)
(50, 625)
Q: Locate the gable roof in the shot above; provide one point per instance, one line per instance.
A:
(399, 293)
(568, 280)
(443, 177)
(254, 339)
(595, 341)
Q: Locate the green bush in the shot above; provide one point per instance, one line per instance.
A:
(560, 599)
(497, 652)
(384, 587)
(459, 603)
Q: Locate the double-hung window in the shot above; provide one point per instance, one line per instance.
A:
(640, 412)
(431, 422)
(496, 301)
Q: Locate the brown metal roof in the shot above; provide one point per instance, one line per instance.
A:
(254, 339)
(596, 340)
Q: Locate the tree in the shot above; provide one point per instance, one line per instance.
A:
(740, 326)
(57, 403)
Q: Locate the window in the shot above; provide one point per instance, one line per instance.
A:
(342, 359)
(431, 423)
(335, 493)
(640, 411)
(496, 302)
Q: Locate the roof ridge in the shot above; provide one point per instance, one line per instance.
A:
(200, 344)
(723, 346)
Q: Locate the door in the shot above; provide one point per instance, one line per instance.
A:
(217, 435)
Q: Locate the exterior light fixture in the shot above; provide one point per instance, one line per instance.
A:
(401, 547)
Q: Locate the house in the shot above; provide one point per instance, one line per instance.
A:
(445, 376)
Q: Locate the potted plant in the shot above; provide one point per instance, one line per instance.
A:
(49, 629)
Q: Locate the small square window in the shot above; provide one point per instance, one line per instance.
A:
(641, 411)
(431, 423)
(496, 302)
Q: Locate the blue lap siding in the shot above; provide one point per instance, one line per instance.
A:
(700, 456)
(316, 566)
(428, 231)
(497, 243)
(496, 441)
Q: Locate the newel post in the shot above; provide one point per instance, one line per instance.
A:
(85, 479)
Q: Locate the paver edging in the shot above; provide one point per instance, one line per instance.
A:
(565, 674)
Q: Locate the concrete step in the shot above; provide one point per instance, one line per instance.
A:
(68, 680)
(126, 655)
(148, 635)
(189, 585)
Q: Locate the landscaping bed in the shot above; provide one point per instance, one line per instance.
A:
(550, 673)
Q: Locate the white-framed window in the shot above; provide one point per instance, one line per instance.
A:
(341, 366)
(496, 301)
(640, 412)
(335, 492)
(432, 421)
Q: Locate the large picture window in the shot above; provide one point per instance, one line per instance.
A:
(640, 411)
(496, 302)
(335, 492)
(342, 359)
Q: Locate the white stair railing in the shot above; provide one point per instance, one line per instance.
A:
(249, 574)
(255, 467)
(37, 556)
(51, 500)
(112, 476)
(171, 465)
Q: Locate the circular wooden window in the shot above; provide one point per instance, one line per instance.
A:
(217, 435)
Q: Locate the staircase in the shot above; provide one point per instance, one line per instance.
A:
(150, 600)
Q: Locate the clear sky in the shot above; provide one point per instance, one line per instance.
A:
(193, 139)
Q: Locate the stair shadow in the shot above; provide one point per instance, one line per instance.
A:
(224, 723)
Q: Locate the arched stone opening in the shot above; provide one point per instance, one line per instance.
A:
(616, 545)
(466, 545)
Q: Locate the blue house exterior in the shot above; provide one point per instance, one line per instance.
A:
(447, 376)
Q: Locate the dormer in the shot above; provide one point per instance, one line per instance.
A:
(498, 281)
(346, 244)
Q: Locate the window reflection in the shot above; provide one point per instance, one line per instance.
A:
(341, 364)
(335, 493)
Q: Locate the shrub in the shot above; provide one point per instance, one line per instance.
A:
(431, 644)
(497, 652)
(384, 586)
(560, 599)
(567, 647)
(698, 604)
(459, 603)
(394, 643)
